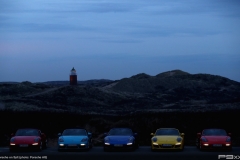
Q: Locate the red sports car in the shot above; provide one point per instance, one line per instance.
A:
(28, 139)
(214, 139)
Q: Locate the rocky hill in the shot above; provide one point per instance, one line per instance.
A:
(169, 91)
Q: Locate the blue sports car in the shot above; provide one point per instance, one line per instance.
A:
(75, 138)
(120, 138)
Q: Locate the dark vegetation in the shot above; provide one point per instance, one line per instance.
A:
(189, 102)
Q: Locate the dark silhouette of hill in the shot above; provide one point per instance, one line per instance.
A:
(166, 92)
(189, 102)
(171, 80)
(94, 82)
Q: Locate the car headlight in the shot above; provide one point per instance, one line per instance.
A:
(154, 139)
(228, 139)
(60, 139)
(204, 139)
(84, 140)
(131, 139)
(179, 139)
(12, 140)
(106, 141)
(36, 139)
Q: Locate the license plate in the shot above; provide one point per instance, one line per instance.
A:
(217, 145)
(23, 145)
(118, 145)
(166, 145)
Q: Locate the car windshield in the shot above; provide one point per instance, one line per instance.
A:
(27, 132)
(120, 131)
(214, 132)
(74, 132)
(171, 132)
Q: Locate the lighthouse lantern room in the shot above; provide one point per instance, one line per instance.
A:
(73, 77)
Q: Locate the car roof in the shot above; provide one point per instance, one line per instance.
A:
(167, 128)
(214, 128)
(121, 128)
(29, 128)
(75, 128)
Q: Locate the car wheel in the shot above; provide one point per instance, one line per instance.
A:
(91, 144)
(137, 145)
(200, 147)
(197, 144)
(45, 144)
(105, 149)
(132, 149)
(59, 150)
(88, 148)
(40, 147)
(182, 148)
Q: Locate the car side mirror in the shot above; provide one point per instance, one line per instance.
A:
(198, 135)
(59, 134)
(152, 134)
(182, 134)
(89, 134)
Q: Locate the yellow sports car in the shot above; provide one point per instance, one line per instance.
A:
(167, 138)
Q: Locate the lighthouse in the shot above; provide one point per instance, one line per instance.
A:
(73, 77)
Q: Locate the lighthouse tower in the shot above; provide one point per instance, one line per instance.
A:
(73, 77)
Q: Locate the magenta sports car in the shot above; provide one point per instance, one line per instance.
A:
(28, 138)
(211, 139)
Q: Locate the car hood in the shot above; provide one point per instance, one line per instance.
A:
(119, 139)
(216, 138)
(24, 139)
(72, 139)
(167, 139)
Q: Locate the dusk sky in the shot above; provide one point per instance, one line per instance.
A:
(41, 40)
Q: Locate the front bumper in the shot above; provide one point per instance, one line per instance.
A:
(118, 147)
(24, 147)
(156, 146)
(207, 146)
(62, 147)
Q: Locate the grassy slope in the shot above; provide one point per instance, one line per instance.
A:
(141, 102)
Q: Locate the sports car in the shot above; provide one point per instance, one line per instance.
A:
(120, 138)
(214, 139)
(75, 138)
(28, 139)
(167, 138)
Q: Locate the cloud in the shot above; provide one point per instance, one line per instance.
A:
(43, 27)
(60, 16)
(114, 6)
(186, 7)
(56, 6)
(121, 41)
(166, 32)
